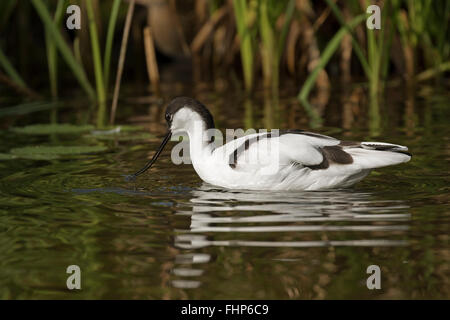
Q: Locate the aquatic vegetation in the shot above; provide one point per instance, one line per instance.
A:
(64, 49)
(245, 17)
(123, 136)
(120, 66)
(117, 129)
(109, 41)
(46, 129)
(269, 42)
(52, 56)
(54, 152)
(73, 58)
(119, 133)
(325, 57)
(7, 156)
(26, 108)
(101, 95)
(273, 40)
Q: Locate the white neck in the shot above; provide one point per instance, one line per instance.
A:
(199, 143)
(201, 149)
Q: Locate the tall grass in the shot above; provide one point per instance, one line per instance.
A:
(109, 41)
(327, 53)
(377, 49)
(98, 71)
(245, 16)
(10, 70)
(256, 26)
(123, 50)
(62, 46)
(273, 40)
(52, 57)
(55, 40)
(257, 33)
(96, 54)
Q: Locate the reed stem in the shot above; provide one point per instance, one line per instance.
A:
(327, 53)
(52, 56)
(10, 70)
(96, 53)
(64, 49)
(123, 50)
(109, 42)
(242, 22)
(356, 47)
(150, 56)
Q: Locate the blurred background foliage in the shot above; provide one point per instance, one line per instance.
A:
(249, 44)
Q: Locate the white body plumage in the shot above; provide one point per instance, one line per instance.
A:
(284, 160)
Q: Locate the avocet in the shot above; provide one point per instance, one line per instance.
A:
(286, 160)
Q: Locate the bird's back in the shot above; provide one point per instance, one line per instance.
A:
(300, 160)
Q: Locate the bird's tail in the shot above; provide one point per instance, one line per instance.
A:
(371, 155)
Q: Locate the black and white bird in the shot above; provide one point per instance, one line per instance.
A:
(284, 160)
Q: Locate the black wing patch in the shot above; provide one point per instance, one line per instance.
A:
(332, 154)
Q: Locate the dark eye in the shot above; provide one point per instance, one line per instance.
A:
(168, 117)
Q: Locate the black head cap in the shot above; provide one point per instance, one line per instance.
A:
(186, 102)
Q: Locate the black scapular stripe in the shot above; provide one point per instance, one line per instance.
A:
(244, 147)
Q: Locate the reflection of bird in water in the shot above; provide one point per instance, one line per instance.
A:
(283, 160)
(186, 270)
(282, 220)
(284, 212)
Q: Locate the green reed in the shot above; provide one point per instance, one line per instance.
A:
(245, 16)
(424, 26)
(372, 62)
(10, 70)
(55, 41)
(326, 55)
(419, 27)
(98, 71)
(109, 41)
(62, 46)
(273, 41)
(52, 56)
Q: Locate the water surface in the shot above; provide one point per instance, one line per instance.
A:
(171, 236)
